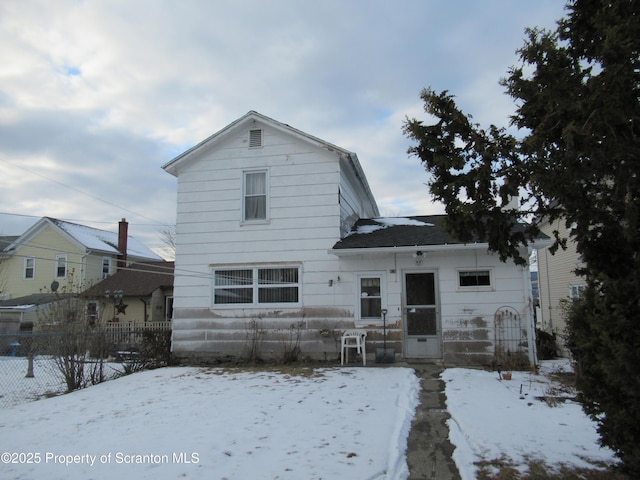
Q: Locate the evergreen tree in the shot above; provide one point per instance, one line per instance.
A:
(577, 95)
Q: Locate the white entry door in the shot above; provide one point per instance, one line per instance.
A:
(423, 331)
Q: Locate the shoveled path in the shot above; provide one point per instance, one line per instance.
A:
(429, 452)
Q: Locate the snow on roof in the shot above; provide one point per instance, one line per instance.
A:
(386, 222)
(104, 241)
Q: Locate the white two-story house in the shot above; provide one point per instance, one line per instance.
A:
(278, 231)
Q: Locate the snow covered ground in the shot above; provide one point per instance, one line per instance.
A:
(526, 418)
(334, 423)
(194, 423)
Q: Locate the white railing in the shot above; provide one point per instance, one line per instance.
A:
(126, 335)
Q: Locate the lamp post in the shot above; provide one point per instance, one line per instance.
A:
(116, 298)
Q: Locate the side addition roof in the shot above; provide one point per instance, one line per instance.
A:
(427, 232)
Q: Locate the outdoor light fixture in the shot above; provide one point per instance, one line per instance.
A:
(418, 256)
(116, 297)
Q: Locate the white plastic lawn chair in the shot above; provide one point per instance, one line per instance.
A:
(354, 339)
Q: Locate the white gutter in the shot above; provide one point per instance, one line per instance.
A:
(447, 247)
(345, 252)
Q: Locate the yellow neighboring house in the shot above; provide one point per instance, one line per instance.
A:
(557, 282)
(53, 253)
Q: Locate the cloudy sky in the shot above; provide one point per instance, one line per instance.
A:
(96, 95)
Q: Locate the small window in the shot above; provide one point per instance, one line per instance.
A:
(255, 138)
(29, 268)
(576, 291)
(106, 267)
(370, 298)
(168, 308)
(475, 278)
(61, 266)
(255, 196)
(92, 313)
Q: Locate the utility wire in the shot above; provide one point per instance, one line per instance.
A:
(79, 191)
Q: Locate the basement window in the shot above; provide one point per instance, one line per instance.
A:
(255, 138)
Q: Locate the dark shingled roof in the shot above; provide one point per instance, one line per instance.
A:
(423, 230)
(138, 279)
(398, 232)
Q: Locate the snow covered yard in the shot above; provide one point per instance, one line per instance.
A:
(519, 421)
(328, 423)
(211, 423)
(47, 381)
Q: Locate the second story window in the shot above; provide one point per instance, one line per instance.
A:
(61, 266)
(255, 196)
(106, 267)
(29, 268)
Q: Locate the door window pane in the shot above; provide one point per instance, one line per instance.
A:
(420, 289)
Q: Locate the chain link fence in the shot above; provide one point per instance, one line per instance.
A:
(41, 365)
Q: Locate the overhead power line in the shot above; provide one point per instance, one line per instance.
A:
(80, 191)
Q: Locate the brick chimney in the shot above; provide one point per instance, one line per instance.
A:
(123, 235)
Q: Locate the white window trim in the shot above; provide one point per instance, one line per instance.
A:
(359, 321)
(24, 270)
(266, 218)
(109, 273)
(576, 290)
(255, 304)
(66, 266)
(476, 288)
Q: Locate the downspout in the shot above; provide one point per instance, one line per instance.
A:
(528, 304)
(145, 309)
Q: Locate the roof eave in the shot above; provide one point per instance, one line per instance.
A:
(345, 252)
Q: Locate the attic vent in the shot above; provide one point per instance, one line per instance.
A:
(255, 138)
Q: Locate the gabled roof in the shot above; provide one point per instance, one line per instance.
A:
(401, 233)
(5, 241)
(253, 117)
(137, 280)
(88, 238)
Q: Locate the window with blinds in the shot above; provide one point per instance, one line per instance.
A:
(258, 285)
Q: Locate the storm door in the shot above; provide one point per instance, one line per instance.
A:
(423, 331)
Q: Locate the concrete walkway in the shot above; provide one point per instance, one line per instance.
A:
(429, 452)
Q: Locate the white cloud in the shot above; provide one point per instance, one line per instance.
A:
(103, 93)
